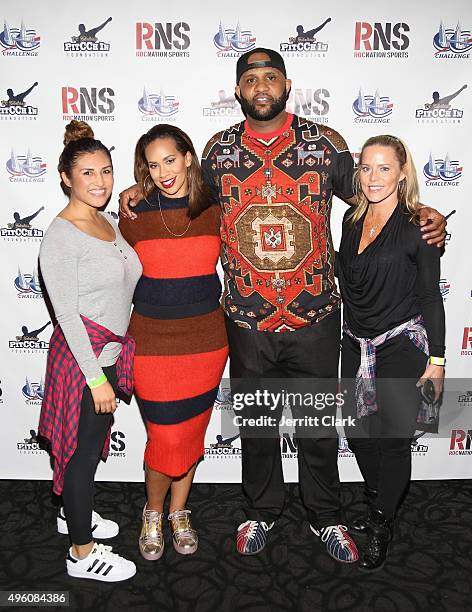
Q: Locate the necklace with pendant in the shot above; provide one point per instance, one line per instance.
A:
(373, 229)
(163, 220)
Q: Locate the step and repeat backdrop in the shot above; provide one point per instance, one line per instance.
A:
(402, 69)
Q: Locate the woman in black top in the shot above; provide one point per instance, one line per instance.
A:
(393, 338)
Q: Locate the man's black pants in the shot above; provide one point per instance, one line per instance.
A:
(312, 353)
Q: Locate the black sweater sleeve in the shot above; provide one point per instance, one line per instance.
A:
(342, 177)
(431, 302)
(210, 179)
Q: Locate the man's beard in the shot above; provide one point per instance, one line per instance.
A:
(277, 106)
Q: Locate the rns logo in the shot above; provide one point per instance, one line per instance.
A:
(161, 38)
(289, 447)
(311, 103)
(461, 442)
(467, 341)
(93, 103)
(117, 444)
(380, 38)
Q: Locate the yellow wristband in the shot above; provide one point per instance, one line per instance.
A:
(96, 382)
(440, 361)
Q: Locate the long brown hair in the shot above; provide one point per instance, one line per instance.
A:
(200, 197)
(408, 190)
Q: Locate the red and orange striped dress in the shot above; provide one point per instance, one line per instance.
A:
(178, 325)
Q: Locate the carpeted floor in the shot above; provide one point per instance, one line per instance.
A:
(429, 569)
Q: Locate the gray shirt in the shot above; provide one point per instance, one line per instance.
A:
(91, 277)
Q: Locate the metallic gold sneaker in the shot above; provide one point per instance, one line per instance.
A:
(184, 536)
(151, 540)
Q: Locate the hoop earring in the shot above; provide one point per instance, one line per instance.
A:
(145, 186)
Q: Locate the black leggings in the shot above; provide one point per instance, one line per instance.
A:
(78, 490)
(382, 442)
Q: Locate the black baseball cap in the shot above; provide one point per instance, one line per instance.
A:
(275, 61)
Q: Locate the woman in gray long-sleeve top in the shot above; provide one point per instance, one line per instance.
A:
(90, 273)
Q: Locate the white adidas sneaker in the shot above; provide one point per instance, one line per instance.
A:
(100, 564)
(102, 529)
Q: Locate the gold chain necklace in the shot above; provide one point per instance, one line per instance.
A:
(163, 220)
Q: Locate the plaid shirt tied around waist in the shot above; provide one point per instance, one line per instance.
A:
(63, 388)
(366, 397)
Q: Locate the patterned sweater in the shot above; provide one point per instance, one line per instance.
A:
(275, 191)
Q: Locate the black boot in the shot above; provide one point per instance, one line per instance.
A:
(380, 531)
(359, 526)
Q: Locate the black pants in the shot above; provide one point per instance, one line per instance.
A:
(78, 490)
(311, 352)
(382, 442)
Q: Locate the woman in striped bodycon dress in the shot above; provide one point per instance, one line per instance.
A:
(178, 325)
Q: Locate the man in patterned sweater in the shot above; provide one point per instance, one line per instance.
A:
(275, 175)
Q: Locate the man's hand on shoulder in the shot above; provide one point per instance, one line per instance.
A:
(433, 226)
(129, 198)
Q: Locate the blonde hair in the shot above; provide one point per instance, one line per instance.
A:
(408, 189)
